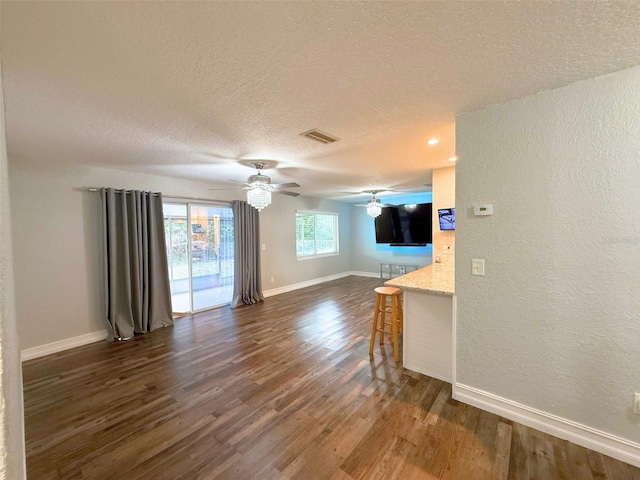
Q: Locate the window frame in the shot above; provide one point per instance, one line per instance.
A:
(336, 233)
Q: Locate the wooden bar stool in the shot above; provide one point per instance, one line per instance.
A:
(391, 326)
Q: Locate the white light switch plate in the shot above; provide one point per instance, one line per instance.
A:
(477, 267)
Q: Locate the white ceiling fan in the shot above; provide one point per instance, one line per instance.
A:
(374, 206)
(259, 187)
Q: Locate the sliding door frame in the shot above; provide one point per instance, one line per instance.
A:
(188, 202)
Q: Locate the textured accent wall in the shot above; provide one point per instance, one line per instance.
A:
(554, 324)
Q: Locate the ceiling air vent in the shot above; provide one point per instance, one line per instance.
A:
(319, 136)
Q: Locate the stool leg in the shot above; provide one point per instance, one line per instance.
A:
(374, 325)
(383, 315)
(394, 326)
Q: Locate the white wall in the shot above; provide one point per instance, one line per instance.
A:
(278, 233)
(366, 254)
(554, 324)
(12, 458)
(58, 244)
(444, 196)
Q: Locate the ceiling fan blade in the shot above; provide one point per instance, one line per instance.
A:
(284, 192)
(285, 185)
(231, 188)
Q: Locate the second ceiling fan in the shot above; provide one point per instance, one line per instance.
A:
(374, 206)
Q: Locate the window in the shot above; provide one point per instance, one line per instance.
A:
(316, 234)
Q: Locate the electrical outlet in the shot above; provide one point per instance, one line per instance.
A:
(446, 249)
(272, 279)
(636, 403)
(477, 267)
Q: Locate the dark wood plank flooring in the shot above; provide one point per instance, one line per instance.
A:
(280, 390)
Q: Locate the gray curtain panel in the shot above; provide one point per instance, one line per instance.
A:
(138, 296)
(247, 285)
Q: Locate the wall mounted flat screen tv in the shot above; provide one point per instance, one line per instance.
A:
(447, 217)
(404, 225)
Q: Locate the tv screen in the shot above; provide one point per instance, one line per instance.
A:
(384, 226)
(405, 225)
(447, 217)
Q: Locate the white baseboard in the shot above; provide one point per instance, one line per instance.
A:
(366, 274)
(316, 281)
(605, 443)
(308, 283)
(61, 345)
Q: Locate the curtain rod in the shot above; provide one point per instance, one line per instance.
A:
(169, 197)
(226, 202)
(117, 190)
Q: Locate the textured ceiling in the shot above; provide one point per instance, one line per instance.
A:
(195, 89)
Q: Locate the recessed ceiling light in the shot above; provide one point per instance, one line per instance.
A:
(433, 141)
(453, 159)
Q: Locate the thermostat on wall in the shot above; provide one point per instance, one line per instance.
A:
(483, 209)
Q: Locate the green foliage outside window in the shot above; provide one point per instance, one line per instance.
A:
(316, 234)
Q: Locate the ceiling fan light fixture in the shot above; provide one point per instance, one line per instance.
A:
(259, 195)
(259, 178)
(373, 208)
(259, 187)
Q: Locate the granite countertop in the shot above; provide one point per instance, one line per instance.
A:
(432, 278)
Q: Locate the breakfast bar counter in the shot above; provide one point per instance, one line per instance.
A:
(432, 278)
(428, 320)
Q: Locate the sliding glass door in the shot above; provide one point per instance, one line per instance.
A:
(200, 254)
(211, 256)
